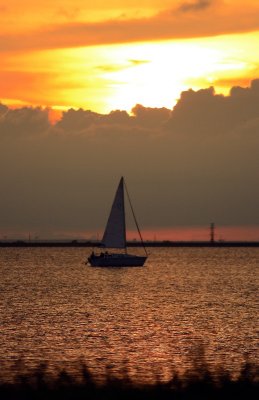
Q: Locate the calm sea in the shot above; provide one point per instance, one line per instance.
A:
(185, 306)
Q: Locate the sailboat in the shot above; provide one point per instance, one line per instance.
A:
(114, 236)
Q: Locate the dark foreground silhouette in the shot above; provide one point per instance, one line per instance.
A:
(194, 384)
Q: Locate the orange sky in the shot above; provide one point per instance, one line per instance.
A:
(112, 55)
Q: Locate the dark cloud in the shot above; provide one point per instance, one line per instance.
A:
(22, 122)
(209, 113)
(119, 67)
(3, 110)
(198, 5)
(188, 166)
(77, 120)
(151, 117)
(68, 13)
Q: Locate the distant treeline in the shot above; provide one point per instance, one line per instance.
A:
(164, 243)
(198, 383)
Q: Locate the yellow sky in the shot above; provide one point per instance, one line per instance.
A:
(111, 55)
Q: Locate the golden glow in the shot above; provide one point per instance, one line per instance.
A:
(118, 76)
(26, 14)
(103, 78)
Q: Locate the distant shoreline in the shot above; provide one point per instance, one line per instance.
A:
(165, 243)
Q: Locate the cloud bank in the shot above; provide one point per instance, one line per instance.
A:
(184, 167)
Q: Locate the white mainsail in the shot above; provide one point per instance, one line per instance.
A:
(115, 232)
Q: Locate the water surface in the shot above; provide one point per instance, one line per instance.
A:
(184, 302)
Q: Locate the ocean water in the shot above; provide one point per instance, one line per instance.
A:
(185, 306)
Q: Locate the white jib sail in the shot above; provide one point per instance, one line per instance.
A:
(115, 232)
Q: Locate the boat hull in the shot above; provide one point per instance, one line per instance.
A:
(116, 260)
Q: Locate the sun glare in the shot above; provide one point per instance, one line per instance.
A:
(105, 78)
(154, 74)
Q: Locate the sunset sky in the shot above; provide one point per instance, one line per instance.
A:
(139, 57)
(105, 55)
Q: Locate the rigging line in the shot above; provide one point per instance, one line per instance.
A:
(134, 216)
(124, 218)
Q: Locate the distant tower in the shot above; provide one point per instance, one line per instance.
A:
(212, 232)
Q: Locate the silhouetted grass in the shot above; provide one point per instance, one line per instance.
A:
(196, 383)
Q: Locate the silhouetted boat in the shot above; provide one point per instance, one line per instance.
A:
(114, 236)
